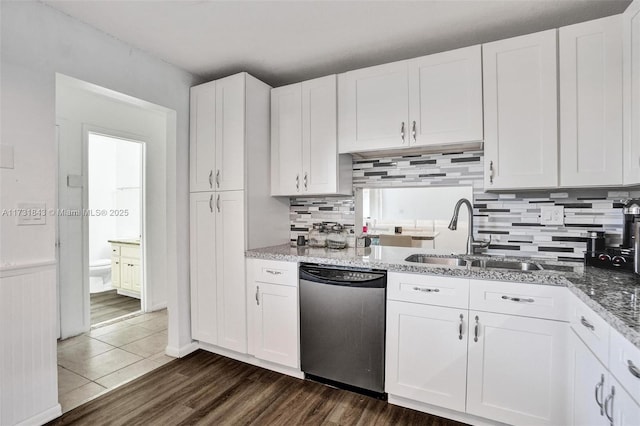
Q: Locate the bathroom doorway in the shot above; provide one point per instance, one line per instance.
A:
(115, 200)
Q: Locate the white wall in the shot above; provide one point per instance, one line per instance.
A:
(36, 43)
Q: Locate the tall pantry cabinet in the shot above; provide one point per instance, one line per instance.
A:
(229, 203)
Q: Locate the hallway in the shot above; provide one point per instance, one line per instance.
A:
(106, 357)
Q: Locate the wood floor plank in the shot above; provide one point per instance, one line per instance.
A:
(109, 305)
(208, 389)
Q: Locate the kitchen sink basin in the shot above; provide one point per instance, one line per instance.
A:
(513, 266)
(447, 261)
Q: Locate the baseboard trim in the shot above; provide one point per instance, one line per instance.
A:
(43, 417)
(442, 412)
(250, 359)
(181, 351)
(159, 307)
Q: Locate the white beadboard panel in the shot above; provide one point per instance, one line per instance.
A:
(28, 372)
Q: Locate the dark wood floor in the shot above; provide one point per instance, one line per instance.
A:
(109, 305)
(209, 389)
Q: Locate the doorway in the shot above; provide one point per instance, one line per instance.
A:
(116, 194)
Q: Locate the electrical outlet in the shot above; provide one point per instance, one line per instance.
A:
(552, 215)
(31, 214)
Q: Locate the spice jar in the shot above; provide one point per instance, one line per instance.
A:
(337, 237)
(317, 236)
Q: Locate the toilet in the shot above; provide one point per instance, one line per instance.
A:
(100, 275)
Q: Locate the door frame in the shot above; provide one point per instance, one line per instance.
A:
(88, 129)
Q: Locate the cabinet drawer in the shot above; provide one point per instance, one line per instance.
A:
(529, 300)
(115, 250)
(591, 328)
(274, 272)
(427, 289)
(130, 251)
(624, 364)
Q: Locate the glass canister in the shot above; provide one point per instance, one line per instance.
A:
(337, 237)
(317, 236)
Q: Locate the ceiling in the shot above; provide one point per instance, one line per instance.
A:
(284, 42)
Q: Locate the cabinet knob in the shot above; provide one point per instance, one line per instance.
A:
(586, 323)
(402, 131)
(476, 329)
(600, 387)
(258, 295)
(305, 181)
(297, 182)
(413, 131)
(633, 369)
(491, 172)
(218, 203)
(460, 327)
(218, 178)
(211, 179)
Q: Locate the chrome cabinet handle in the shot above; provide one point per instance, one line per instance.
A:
(413, 131)
(586, 323)
(258, 295)
(518, 299)
(633, 369)
(475, 337)
(600, 386)
(460, 327)
(610, 397)
(218, 203)
(211, 203)
(218, 178)
(211, 179)
(269, 271)
(427, 290)
(491, 172)
(297, 182)
(402, 131)
(305, 181)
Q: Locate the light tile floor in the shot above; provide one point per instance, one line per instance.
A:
(107, 357)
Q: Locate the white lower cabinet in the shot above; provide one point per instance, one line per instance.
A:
(596, 396)
(217, 269)
(272, 301)
(516, 369)
(427, 353)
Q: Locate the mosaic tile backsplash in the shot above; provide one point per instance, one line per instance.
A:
(512, 219)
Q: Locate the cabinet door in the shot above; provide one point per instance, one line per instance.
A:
(230, 271)
(591, 103)
(319, 136)
(135, 275)
(427, 354)
(275, 325)
(230, 113)
(587, 381)
(517, 369)
(202, 137)
(624, 410)
(446, 97)
(115, 272)
(126, 274)
(286, 140)
(374, 108)
(204, 298)
(521, 112)
(631, 96)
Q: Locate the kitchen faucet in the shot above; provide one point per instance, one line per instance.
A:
(453, 225)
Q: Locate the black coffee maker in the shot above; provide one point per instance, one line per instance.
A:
(631, 231)
(625, 257)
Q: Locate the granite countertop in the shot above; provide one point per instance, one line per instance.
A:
(614, 295)
(132, 241)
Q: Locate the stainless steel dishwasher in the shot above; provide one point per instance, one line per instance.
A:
(342, 326)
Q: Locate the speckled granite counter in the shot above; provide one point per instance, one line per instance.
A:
(615, 296)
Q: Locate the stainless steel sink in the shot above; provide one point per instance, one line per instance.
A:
(447, 261)
(513, 266)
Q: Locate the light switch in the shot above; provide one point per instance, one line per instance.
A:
(552, 215)
(31, 214)
(6, 156)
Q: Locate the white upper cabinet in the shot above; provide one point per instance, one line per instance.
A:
(217, 135)
(286, 139)
(374, 108)
(230, 133)
(432, 100)
(591, 103)
(631, 97)
(521, 112)
(202, 135)
(304, 151)
(445, 97)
